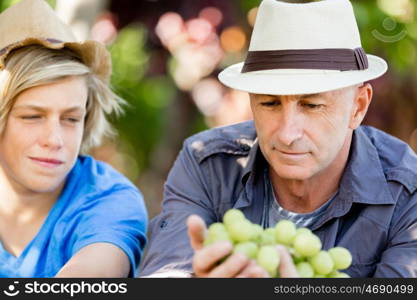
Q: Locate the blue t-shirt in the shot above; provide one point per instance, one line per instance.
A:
(97, 204)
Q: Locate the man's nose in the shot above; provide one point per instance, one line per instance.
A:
(291, 125)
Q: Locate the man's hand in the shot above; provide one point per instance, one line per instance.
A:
(207, 260)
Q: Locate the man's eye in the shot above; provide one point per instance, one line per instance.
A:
(312, 106)
(270, 103)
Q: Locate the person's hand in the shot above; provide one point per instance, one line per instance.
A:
(207, 261)
(286, 266)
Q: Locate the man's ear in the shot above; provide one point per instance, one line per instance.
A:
(361, 103)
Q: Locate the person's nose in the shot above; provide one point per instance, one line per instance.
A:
(52, 136)
(291, 126)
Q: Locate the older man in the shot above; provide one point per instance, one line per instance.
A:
(304, 158)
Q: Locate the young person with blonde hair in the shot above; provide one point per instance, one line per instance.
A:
(62, 213)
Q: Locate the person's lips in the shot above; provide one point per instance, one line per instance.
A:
(47, 162)
(292, 155)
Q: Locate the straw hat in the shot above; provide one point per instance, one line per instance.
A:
(32, 22)
(303, 49)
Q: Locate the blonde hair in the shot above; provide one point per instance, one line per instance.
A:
(33, 66)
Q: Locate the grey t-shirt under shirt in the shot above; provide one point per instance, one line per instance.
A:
(278, 213)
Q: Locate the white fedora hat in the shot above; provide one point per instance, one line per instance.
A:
(303, 49)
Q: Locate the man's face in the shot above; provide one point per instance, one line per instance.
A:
(42, 137)
(301, 135)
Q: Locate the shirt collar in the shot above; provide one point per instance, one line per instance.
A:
(363, 180)
(252, 178)
(251, 166)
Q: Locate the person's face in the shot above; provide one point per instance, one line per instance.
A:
(42, 136)
(301, 135)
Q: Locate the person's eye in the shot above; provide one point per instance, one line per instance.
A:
(30, 117)
(313, 106)
(72, 120)
(270, 103)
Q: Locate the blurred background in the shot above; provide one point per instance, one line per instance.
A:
(166, 57)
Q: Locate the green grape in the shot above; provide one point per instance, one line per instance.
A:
(341, 257)
(250, 249)
(258, 230)
(305, 270)
(285, 232)
(303, 230)
(337, 274)
(268, 237)
(216, 236)
(307, 244)
(232, 215)
(241, 231)
(322, 263)
(268, 258)
(216, 227)
(296, 257)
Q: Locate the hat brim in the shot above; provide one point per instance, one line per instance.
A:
(297, 81)
(93, 54)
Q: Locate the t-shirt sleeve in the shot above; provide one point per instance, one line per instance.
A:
(118, 217)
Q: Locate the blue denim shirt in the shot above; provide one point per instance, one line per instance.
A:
(374, 214)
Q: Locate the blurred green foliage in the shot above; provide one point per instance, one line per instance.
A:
(147, 97)
(6, 3)
(389, 36)
(246, 5)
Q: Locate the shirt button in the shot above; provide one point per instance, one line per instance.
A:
(163, 224)
(245, 147)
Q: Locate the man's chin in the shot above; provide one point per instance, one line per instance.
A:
(294, 173)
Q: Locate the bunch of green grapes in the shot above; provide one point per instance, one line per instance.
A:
(259, 244)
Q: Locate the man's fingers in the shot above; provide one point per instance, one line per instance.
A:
(286, 266)
(196, 231)
(206, 258)
(231, 267)
(253, 270)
